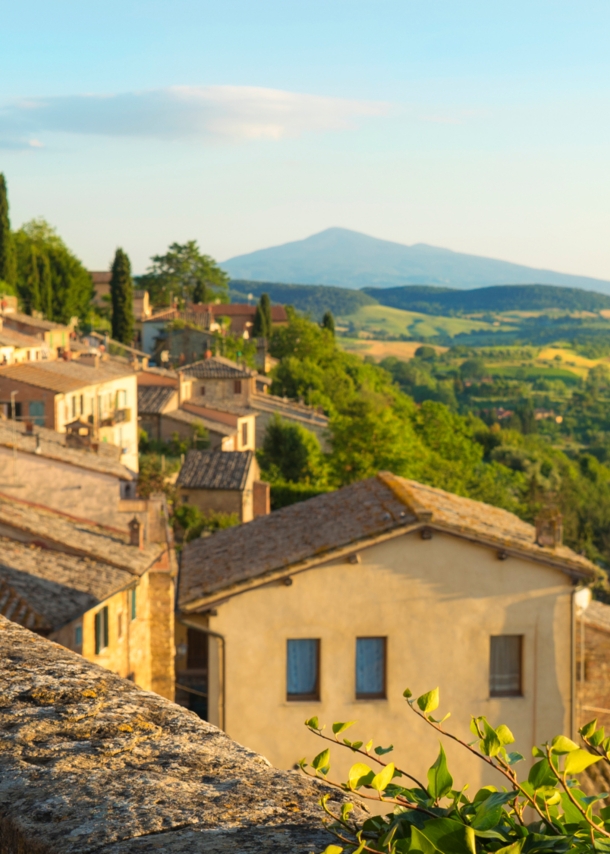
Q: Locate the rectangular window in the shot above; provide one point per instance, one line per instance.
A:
(237, 387)
(244, 434)
(505, 666)
(78, 635)
(73, 406)
(119, 624)
(132, 604)
(303, 669)
(82, 404)
(203, 390)
(370, 668)
(101, 630)
(36, 412)
(121, 399)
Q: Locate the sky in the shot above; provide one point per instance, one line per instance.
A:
(476, 126)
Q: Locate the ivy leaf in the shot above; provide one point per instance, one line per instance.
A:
(340, 727)
(359, 775)
(577, 760)
(368, 745)
(321, 762)
(597, 737)
(407, 693)
(429, 702)
(384, 778)
(490, 743)
(515, 848)
(504, 734)
(332, 849)
(588, 729)
(346, 810)
(443, 835)
(313, 723)
(513, 758)
(541, 775)
(440, 780)
(381, 750)
(562, 744)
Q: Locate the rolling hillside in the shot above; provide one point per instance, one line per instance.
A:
(350, 259)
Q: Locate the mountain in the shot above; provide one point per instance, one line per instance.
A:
(430, 300)
(350, 259)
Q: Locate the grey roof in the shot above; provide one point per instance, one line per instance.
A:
(56, 586)
(215, 470)
(212, 426)
(60, 376)
(220, 406)
(361, 511)
(89, 762)
(39, 322)
(599, 614)
(82, 538)
(218, 368)
(152, 399)
(52, 445)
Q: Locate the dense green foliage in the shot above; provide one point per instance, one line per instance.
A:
(262, 319)
(191, 523)
(435, 818)
(375, 425)
(50, 278)
(328, 322)
(499, 298)
(121, 295)
(185, 273)
(8, 266)
(312, 300)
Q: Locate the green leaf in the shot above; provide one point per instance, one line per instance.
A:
(313, 723)
(407, 693)
(429, 702)
(332, 849)
(474, 726)
(381, 781)
(513, 758)
(321, 762)
(443, 835)
(341, 727)
(597, 737)
(578, 760)
(359, 775)
(381, 750)
(541, 775)
(490, 743)
(368, 745)
(515, 848)
(588, 729)
(440, 780)
(504, 734)
(562, 744)
(346, 810)
(537, 752)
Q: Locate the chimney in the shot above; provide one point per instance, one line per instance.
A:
(91, 359)
(136, 533)
(549, 528)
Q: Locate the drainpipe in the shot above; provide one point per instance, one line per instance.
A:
(581, 597)
(223, 668)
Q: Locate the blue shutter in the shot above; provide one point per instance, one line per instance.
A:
(302, 668)
(370, 667)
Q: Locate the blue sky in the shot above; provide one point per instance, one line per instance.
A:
(481, 127)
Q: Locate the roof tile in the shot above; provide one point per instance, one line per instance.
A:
(215, 470)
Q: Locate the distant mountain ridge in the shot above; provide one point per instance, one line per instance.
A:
(349, 259)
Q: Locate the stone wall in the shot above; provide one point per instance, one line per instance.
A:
(90, 763)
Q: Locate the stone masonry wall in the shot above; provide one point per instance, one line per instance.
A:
(90, 763)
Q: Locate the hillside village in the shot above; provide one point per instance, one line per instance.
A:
(217, 502)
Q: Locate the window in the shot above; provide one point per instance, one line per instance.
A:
(101, 630)
(244, 434)
(36, 412)
(303, 669)
(197, 650)
(78, 635)
(370, 668)
(505, 666)
(73, 406)
(132, 604)
(119, 624)
(82, 404)
(237, 387)
(203, 390)
(121, 399)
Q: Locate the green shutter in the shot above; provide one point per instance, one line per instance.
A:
(98, 638)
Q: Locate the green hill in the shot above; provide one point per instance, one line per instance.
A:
(500, 298)
(313, 300)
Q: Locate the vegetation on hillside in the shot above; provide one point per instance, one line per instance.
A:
(547, 812)
(311, 300)
(121, 295)
(185, 273)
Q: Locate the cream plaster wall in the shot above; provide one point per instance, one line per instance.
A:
(437, 601)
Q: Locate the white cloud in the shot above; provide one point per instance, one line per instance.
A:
(179, 112)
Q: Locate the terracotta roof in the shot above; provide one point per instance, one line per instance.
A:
(217, 367)
(60, 376)
(12, 338)
(57, 587)
(598, 614)
(362, 511)
(222, 406)
(83, 538)
(152, 399)
(278, 312)
(215, 470)
(19, 317)
(185, 417)
(52, 445)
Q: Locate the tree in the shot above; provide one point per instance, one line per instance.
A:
(435, 818)
(8, 266)
(60, 286)
(328, 322)
(184, 272)
(262, 319)
(121, 293)
(291, 453)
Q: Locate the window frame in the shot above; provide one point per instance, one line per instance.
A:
(495, 694)
(315, 695)
(133, 605)
(101, 630)
(237, 389)
(245, 434)
(383, 694)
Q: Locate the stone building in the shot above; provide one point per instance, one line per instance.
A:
(593, 663)
(333, 606)
(224, 482)
(90, 763)
(55, 336)
(100, 393)
(106, 595)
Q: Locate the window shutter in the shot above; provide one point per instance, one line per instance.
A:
(370, 667)
(505, 666)
(303, 665)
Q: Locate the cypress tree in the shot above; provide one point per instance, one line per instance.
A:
(30, 292)
(45, 286)
(8, 262)
(121, 292)
(328, 322)
(262, 318)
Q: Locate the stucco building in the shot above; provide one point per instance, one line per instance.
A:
(332, 607)
(106, 595)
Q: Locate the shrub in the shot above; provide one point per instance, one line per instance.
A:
(434, 818)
